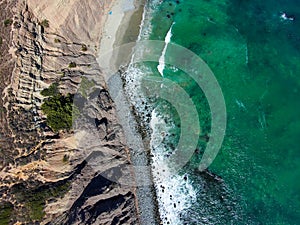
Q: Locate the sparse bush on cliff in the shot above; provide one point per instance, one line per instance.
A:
(8, 22)
(65, 159)
(45, 23)
(83, 47)
(56, 40)
(85, 86)
(1, 41)
(72, 65)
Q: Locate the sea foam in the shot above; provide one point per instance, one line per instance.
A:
(161, 66)
(175, 192)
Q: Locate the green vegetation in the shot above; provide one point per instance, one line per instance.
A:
(8, 22)
(72, 65)
(6, 210)
(34, 200)
(59, 111)
(85, 86)
(65, 158)
(1, 41)
(36, 207)
(83, 47)
(58, 108)
(56, 40)
(45, 23)
(51, 91)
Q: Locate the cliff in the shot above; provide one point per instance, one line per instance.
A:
(49, 176)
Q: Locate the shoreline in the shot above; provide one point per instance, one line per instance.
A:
(122, 26)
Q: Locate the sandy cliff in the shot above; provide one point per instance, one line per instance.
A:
(50, 177)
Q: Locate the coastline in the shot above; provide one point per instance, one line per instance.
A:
(62, 167)
(122, 26)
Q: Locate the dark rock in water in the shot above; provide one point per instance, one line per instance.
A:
(211, 176)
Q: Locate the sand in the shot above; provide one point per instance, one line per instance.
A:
(122, 26)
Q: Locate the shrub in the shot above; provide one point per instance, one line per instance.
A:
(56, 40)
(83, 47)
(1, 41)
(65, 159)
(45, 23)
(6, 211)
(59, 111)
(51, 91)
(72, 65)
(8, 22)
(34, 200)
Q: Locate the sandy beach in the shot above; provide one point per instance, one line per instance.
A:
(117, 22)
(122, 26)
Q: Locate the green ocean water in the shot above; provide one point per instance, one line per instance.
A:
(254, 53)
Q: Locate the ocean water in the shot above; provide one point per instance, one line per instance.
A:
(253, 49)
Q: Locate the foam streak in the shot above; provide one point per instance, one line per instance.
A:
(161, 65)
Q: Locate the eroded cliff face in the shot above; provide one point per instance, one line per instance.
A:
(52, 177)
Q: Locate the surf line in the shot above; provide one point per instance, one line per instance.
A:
(161, 65)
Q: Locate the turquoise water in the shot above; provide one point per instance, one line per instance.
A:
(254, 52)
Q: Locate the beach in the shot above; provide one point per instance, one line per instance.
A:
(122, 27)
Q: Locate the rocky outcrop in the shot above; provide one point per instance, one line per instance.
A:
(66, 177)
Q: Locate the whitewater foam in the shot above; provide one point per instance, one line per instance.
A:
(175, 192)
(161, 66)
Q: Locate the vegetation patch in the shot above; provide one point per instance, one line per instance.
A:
(59, 111)
(51, 91)
(34, 200)
(72, 65)
(8, 22)
(83, 47)
(85, 87)
(65, 159)
(6, 211)
(56, 40)
(45, 23)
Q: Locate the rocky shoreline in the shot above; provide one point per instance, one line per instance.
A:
(51, 177)
(126, 33)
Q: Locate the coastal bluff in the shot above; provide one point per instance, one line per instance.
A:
(46, 175)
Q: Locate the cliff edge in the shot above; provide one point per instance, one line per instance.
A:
(47, 176)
